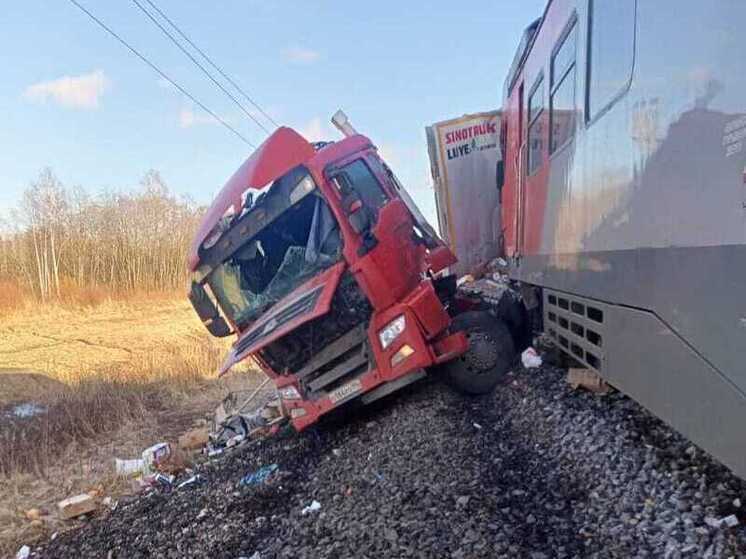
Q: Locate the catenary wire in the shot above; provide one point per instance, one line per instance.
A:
(142, 57)
(211, 63)
(197, 63)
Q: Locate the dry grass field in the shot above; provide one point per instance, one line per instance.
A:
(111, 379)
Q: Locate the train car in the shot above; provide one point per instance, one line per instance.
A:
(624, 201)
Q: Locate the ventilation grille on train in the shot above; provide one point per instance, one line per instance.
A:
(577, 326)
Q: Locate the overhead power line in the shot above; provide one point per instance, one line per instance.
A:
(196, 63)
(211, 63)
(142, 57)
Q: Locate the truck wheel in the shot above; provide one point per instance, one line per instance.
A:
(490, 355)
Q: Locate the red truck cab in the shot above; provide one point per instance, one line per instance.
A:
(316, 257)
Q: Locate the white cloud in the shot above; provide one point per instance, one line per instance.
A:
(72, 92)
(317, 130)
(189, 118)
(300, 54)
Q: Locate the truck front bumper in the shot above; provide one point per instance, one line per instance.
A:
(423, 343)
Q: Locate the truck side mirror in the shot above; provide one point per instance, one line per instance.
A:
(208, 312)
(500, 178)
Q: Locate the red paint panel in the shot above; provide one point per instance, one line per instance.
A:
(279, 153)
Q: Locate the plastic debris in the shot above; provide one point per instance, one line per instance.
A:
(531, 359)
(235, 441)
(477, 426)
(730, 520)
(24, 552)
(194, 480)
(155, 455)
(468, 278)
(260, 476)
(313, 507)
(129, 467)
(737, 503)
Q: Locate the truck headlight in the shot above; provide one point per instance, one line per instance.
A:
(289, 393)
(392, 331)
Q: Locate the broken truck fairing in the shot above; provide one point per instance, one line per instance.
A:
(326, 275)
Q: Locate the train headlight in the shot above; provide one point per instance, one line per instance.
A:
(392, 331)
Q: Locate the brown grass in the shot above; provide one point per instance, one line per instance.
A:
(114, 378)
(12, 296)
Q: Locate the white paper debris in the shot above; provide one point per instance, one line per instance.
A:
(129, 467)
(477, 426)
(531, 359)
(313, 507)
(737, 503)
(24, 552)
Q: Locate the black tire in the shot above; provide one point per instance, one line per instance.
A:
(490, 355)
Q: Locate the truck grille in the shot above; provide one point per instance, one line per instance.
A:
(300, 306)
(327, 350)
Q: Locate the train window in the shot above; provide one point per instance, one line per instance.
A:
(562, 91)
(611, 48)
(535, 128)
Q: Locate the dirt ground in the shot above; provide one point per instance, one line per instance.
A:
(47, 353)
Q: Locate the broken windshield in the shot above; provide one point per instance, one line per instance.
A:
(295, 247)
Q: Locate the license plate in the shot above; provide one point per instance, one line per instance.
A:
(344, 391)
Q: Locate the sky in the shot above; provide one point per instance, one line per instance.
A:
(75, 100)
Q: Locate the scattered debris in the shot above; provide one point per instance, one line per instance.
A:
(34, 514)
(154, 455)
(78, 505)
(468, 278)
(531, 359)
(477, 426)
(129, 467)
(737, 503)
(24, 552)
(260, 476)
(588, 379)
(313, 507)
(731, 521)
(27, 410)
(194, 480)
(194, 439)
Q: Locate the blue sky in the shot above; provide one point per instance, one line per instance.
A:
(76, 100)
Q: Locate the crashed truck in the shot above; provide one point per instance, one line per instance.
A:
(317, 259)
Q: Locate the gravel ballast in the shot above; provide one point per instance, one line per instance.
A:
(533, 470)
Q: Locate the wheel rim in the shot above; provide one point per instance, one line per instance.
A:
(482, 355)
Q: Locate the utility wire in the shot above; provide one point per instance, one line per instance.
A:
(159, 71)
(211, 63)
(196, 62)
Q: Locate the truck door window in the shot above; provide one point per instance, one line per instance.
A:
(611, 52)
(358, 177)
(562, 91)
(536, 126)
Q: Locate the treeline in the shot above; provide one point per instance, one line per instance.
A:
(62, 239)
